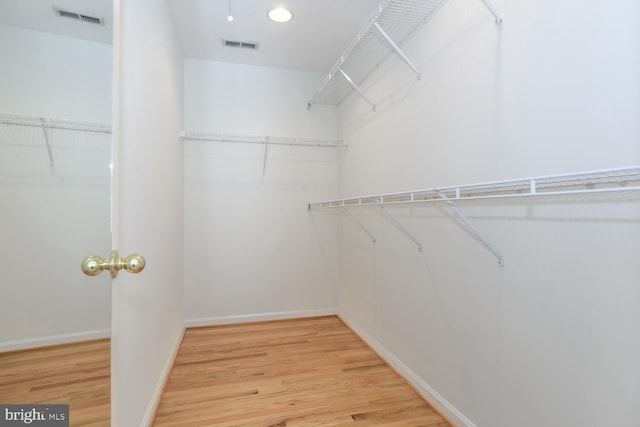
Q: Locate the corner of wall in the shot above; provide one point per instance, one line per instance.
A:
(158, 391)
(435, 399)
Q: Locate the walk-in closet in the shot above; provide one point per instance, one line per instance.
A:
(436, 198)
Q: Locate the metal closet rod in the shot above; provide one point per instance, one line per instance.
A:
(52, 123)
(581, 184)
(262, 139)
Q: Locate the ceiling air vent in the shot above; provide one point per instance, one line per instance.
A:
(78, 16)
(242, 45)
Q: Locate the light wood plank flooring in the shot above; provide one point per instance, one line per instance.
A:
(74, 374)
(303, 372)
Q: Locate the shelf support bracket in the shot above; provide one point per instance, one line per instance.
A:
(494, 11)
(46, 141)
(400, 226)
(264, 160)
(359, 223)
(398, 50)
(356, 88)
(471, 228)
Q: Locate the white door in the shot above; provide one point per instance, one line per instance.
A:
(147, 317)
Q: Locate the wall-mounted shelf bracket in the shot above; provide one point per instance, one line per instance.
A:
(264, 160)
(357, 88)
(46, 140)
(494, 11)
(399, 225)
(471, 228)
(398, 50)
(360, 224)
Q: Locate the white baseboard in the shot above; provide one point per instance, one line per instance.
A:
(428, 393)
(54, 340)
(150, 413)
(261, 317)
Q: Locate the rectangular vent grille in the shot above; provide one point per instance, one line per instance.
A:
(242, 45)
(78, 16)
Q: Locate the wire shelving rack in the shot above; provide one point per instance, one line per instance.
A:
(609, 184)
(389, 25)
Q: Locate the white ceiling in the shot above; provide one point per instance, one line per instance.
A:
(312, 41)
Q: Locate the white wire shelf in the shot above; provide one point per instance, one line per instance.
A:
(387, 28)
(70, 146)
(266, 140)
(52, 123)
(610, 184)
(262, 139)
(595, 184)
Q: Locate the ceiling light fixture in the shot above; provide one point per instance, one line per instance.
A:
(280, 14)
(229, 16)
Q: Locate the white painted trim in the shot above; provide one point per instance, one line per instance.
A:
(261, 317)
(54, 340)
(428, 393)
(150, 413)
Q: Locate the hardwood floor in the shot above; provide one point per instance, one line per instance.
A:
(74, 374)
(303, 372)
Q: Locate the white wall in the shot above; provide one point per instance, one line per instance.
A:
(51, 217)
(147, 316)
(246, 99)
(54, 76)
(552, 337)
(252, 251)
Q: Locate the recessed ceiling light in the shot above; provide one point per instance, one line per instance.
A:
(280, 14)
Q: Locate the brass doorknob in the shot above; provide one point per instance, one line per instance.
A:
(94, 265)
